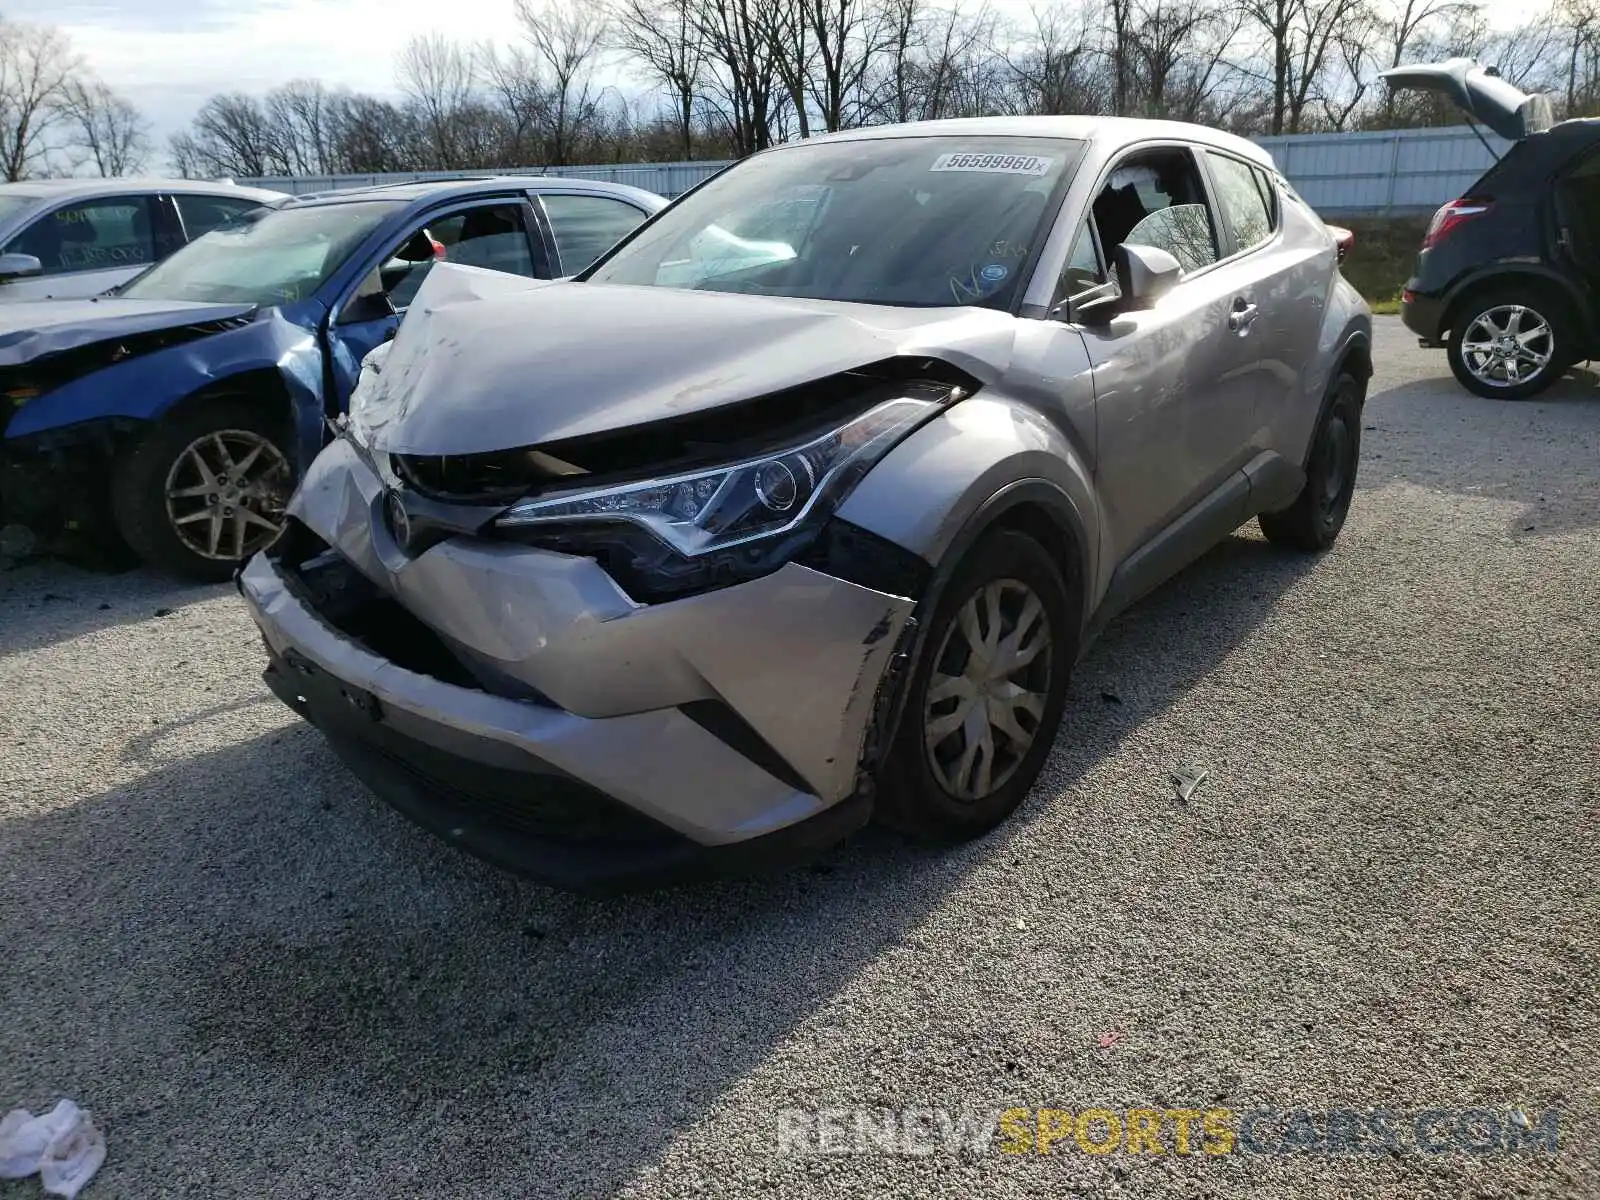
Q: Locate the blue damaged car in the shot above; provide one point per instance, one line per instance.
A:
(175, 414)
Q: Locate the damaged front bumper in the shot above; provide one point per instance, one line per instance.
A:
(59, 479)
(519, 703)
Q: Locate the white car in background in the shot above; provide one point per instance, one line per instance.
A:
(72, 238)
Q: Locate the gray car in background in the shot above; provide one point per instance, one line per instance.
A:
(799, 507)
(74, 238)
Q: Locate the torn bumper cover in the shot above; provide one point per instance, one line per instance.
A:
(517, 702)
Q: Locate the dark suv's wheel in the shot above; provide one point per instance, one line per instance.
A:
(1318, 513)
(1511, 342)
(203, 489)
(985, 698)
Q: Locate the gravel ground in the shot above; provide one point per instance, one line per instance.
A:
(265, 983)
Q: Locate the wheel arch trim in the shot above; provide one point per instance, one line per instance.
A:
(999, 511)
(1497, 274)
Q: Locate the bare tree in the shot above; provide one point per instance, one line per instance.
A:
(437, 76)
(230, 135)
(567, 38)
(742, 68)
(303, 116)
(1178, 46)
(1300, 35)
(788, 33)
(36, 65)
(1056, 73)
(664, 37)
(512, 79)
(1581, 24)
(1349, 76)
(107, 130)
(372, 135)
(1407, 20)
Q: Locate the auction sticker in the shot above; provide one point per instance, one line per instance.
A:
(1002, 164)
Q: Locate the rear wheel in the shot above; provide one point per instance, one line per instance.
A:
(204, 489)
(986, 696)
(1318, 513)
(1511, 342)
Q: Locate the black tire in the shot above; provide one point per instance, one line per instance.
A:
(1550, 309)
(1312, 523)
(912, 798)
(141, 475)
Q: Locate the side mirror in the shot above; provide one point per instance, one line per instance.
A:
(367, 306)
(13, 266)
(1098, 305)
(1145, 274)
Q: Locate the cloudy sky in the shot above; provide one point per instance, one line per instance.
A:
(167, 56)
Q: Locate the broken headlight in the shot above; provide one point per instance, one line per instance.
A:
(709, 511)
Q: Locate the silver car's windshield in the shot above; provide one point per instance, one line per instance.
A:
(915, 221)
(266, 257)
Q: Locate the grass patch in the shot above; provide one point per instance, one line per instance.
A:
(1383, 257)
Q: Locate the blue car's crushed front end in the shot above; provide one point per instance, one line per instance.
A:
(78, 379)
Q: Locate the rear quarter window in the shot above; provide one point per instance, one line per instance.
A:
(1245, 209)
(586, 227)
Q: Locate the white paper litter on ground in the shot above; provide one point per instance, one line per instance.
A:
(62, 1146)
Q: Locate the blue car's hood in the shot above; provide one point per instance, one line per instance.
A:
(33, 329)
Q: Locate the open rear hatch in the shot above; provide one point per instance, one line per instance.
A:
(1479, 92)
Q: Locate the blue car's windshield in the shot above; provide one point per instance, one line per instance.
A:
(267, 257)
(914, 221)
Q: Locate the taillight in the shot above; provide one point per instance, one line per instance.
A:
(1457, 212)
(1344, 239)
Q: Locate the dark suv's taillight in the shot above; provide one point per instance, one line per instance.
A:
(1456, 213)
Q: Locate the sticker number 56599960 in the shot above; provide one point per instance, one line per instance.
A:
(1006, 164)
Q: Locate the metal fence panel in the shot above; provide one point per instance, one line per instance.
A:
(1384, 173)
(1340, 174)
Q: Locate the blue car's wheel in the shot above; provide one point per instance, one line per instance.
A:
(204, 489)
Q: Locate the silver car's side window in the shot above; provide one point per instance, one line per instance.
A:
(1155, 198)
(1245, 211)
(1084, 270)
(587, 226)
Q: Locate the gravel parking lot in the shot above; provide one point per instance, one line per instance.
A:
(265, 983)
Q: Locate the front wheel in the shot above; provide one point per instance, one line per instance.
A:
(986, 695)
(1510, 344)
(1318, 513)
(203, 490)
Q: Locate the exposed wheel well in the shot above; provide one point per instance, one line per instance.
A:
(1044, 527)
(1538, 284)
(1357, 361)
(262, 388)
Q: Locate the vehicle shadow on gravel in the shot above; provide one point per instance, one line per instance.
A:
(247, 940)
(45, 603)
(1538, 454)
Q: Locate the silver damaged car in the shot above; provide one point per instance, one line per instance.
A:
(798, 507)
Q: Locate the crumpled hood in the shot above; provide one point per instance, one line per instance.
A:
(482, 364)
(32, 329)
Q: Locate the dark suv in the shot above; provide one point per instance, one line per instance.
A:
(1508, 279)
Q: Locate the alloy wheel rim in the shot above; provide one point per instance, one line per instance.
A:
(226, 493)
(1507, 345)
(986, 696)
